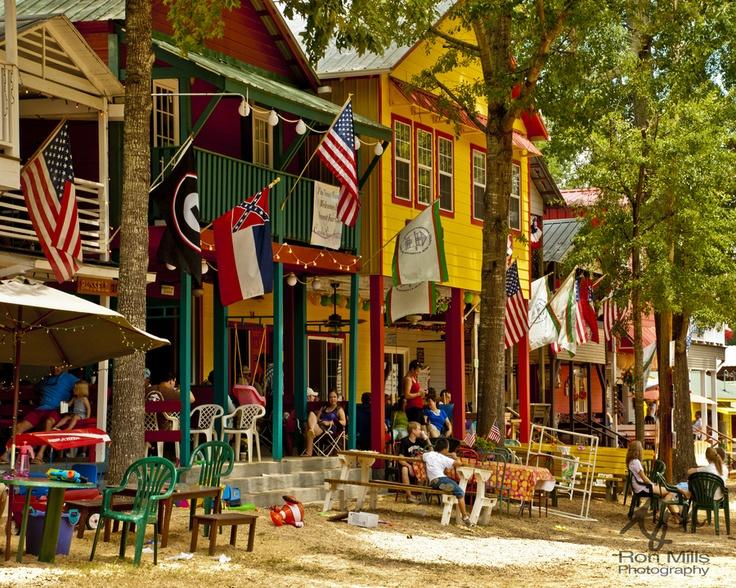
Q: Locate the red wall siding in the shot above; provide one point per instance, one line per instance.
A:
(245, 38)
(95, 33)
(221, 133)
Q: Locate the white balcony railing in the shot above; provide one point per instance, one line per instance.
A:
(8, 104)
(15, 224)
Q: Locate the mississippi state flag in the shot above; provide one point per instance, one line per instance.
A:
(243, 250)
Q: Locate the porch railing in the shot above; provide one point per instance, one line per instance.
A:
(8, 104)
(16, 229)
(225, 182)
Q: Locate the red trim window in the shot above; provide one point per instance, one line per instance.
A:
(515, 198)
(478, 176)
(445, 157)
(402, 160)
(424, 165)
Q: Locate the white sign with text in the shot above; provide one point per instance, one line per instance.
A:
(326, 229)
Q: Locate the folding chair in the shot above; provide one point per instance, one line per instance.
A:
(330, 442)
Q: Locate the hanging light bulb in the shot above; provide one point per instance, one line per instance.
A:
(291, 279)
(205, 266)
(244, 108)
(170, 267)
(357, 143)
(316, 284)
(273, 118)
(301, 128)
(378, 149)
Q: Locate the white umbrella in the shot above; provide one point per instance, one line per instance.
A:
(40, 325)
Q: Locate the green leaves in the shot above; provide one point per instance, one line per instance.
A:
(194, 21)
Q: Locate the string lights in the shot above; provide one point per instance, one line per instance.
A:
(307, 263)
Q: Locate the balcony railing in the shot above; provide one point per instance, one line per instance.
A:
(16, 229)
(8, 104)
(225, 182)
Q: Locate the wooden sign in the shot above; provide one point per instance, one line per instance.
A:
(97, 286)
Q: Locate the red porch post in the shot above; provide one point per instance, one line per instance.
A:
(523, 384)
(377, 338)
(455, 358)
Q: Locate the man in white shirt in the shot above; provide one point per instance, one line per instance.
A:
(436, 462)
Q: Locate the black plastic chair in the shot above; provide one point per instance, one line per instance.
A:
(657, 467)
(703, 488)
(651, 468)
(678, 500)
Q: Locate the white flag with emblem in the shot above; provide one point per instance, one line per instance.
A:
(419, 255)
(543, 324)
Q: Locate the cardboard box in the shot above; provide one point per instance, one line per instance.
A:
(363, 519)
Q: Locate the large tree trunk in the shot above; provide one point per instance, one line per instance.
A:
(128, 402)
(636, 310)
(684, 456)
(664, 414)
(494, 40)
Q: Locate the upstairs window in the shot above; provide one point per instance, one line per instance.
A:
(479, 183)
(402, 161)
(165, 113)
(444, 173)
(515, 198)
(262, 140)
(425, 167)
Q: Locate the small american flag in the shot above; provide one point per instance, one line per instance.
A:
(516, 324)
(581, 331)
(337, 152)
(494, 434)
(47, 182)
(469, 438)
(610, 317)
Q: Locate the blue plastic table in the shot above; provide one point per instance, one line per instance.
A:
(54, 504)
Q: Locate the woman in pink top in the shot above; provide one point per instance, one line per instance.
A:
(413, 393)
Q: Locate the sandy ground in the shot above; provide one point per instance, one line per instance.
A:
(411, 549)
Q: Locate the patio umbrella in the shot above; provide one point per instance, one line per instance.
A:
(40, 325)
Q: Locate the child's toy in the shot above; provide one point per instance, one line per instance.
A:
(65, 475)
(291, 513)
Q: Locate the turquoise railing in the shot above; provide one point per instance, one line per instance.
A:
(225, 182)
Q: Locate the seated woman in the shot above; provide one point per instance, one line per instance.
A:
(438, 424)
(640, 483)
(331, 417)
(715, 466)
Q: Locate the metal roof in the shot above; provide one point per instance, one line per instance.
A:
(74, 10)
(544, 182)
(558, 237)
(268, 91)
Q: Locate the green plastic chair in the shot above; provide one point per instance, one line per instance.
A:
(216, 460)
(502, 457)
(703, 487)
(678, 500)
(155, 478)
(651, 468)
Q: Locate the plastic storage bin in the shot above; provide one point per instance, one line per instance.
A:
(36, 519)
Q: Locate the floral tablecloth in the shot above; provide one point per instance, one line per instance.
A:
(520, 479)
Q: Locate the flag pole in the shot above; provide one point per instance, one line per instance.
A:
(172, 162)
(271, 184)
(45, 144)
(311, 157)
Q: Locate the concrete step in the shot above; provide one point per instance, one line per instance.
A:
(275, 481)
(305, 494)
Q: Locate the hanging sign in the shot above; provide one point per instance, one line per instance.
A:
(326, 228)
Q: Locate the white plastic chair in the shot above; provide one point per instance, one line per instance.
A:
(203, 418)
(175, 419)
(151, 424)
(243, 422)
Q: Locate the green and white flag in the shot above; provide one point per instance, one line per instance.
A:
(409, 299)
(543, 324)
(419, 255)
(565, 309)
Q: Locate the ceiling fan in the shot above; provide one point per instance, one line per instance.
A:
(334, 323)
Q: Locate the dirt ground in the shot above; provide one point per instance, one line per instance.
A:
(411, 548)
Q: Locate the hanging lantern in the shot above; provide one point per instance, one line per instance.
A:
(301, 128)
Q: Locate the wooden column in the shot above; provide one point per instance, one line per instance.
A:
(353, 363)
(455, 358)
(277, 382)
(185, 362)
(377, 328)
(221, 363)
(300, 351)
(522, 371)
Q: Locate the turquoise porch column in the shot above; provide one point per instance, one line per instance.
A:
(277, 382)
(221, 363)
(185, 362)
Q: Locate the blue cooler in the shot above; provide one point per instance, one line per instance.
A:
(36, 519)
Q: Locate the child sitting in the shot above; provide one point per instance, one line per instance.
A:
(436, 463)
(80, 408)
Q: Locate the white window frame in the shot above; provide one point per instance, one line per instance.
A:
(402, 160)
(428, 169)
(165, 106)
(476, 183)
(340, 376)
(515, 196)
(260, 119)
(441, 173)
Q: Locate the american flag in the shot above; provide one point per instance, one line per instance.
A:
(469, 438)
(610, 317)
(494, 434)
(47, 182)
(516, 324)
(337, 152)
(581, 332)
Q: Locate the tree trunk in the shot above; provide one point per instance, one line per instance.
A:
(494, 40)
(128, 402)
(664, 413)
(636, 310)
(684, 456)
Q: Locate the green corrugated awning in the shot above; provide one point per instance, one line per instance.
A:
(268, 91)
